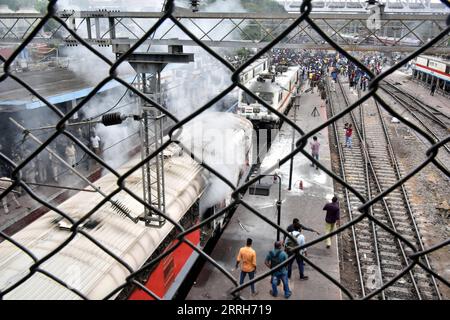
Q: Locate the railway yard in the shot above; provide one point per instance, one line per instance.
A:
(168, 153)
(373, 166)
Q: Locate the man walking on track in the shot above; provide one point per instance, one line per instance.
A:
(247, 258)
(332, 218)
(348, 135)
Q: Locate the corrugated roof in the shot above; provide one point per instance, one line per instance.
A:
(58, 85)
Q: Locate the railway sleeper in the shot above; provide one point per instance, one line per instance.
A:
(366, 252)
(365, 243)
(357, 181)
(400, 292)
(396, 263)
(393, 255)
(388, 247)
(364, 233)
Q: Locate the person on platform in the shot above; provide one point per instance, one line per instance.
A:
(95, 143)
(71, 154)
(289, 245)
(433, 88)
(247, 259)
(274, 258)
(332, 218)
(295, 221)
(315, 145)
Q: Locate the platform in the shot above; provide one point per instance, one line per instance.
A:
(304, 204)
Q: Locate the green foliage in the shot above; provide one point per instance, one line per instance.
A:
(41, 6)
(262, 6)
(253, 31)
(243, 53)
(15, 5)
(258, 5)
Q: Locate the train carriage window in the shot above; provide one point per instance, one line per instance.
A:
(447, 69)
(246, 98)
(266, 96)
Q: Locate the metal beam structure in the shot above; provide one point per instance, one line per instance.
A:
(353, 31)
(149, 66)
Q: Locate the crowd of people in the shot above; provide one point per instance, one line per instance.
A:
(46, 168)
(283, 250)
(314, 69)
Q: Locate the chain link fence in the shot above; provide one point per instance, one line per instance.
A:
(415, 259)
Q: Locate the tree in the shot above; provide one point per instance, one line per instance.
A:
(254, 32)
(15, 5)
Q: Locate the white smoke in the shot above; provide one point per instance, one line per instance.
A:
(188, 87)
(90, 67)
(92, 70)
(220, 140)
(117, 140)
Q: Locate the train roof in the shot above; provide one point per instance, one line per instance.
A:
(269, 86)
(446, 61)
(81, 263)
(254, 64)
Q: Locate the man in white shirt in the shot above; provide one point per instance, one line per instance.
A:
(95, 142)
(71, 154)
(289, 244)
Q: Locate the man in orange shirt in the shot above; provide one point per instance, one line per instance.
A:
(247, 256)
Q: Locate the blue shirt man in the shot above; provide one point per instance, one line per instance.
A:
(274, 258)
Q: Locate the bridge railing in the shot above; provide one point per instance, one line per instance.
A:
(304, 17)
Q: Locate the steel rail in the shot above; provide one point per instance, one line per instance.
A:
(427, 128)
(369, 196)
(405, 195)
(424, 105)
(377, 183)
(417, 105)
(347, 196)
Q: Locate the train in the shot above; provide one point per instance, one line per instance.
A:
(86, 269)
(434, 67)
(374, 40)
(277, 88)
(253, 70)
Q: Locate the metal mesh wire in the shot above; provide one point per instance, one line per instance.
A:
(415, 259)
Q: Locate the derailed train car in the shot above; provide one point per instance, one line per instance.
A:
(84, 267)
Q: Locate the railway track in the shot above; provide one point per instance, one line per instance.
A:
(370, 167)
(434, 121)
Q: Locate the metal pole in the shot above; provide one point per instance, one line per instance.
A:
(50, 186)
(67, 125)
(291, 166)
(278, 218)
(278, 206)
